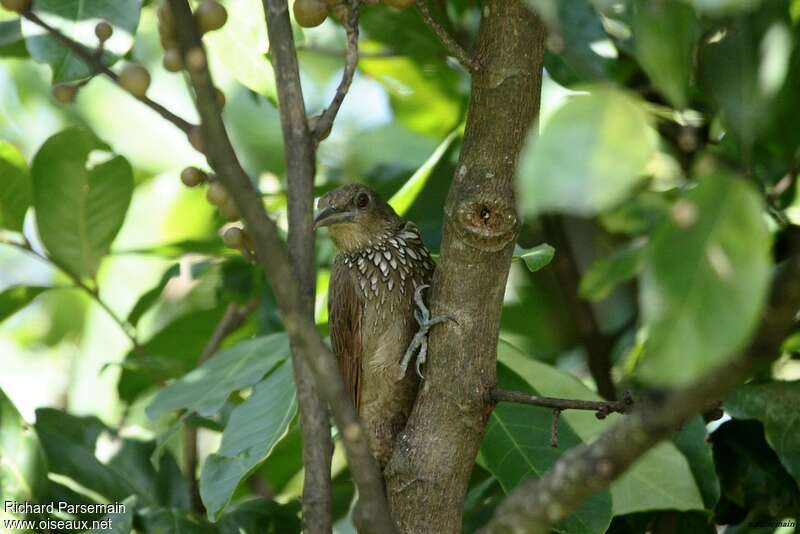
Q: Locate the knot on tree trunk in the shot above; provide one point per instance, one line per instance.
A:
(486, 223)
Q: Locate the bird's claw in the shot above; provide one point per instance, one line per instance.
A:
(420, 339)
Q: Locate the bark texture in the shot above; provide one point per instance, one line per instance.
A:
(429, 471)
(300, 157)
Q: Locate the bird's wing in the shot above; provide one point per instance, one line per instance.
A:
(345, 313)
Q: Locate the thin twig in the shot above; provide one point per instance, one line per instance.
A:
(601, 408)
(448, 41)
(234, 317)
(325, 121)
(554, 428)
(232, 320)
(128, 329)
(95, 63)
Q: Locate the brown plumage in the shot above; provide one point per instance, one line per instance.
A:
(381, 261)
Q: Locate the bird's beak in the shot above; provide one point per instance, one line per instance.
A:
(329, 216)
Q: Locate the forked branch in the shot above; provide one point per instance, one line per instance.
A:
(96, 65)
(324, 122)
(448, 41)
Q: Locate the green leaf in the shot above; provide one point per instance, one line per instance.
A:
(120, 522)
(613, 136)
(77, 19)
(402, 200)
(285, 460)
(11, 42)
(516, 446)
(15, 188)
(692, 441)
(212, 247)
(23, 470)
(775, 404)
(751, 475)
(606, 273)
(70, 444)
(424, 97)
(665, 35)
(722, 7)
(241, 47)
(659, 480)
(638, 215)
(577, 27)
(170, 353)
(81, 196)
(255, 516)
(15, 298)
(702, 304)
(255, 426)
(737, 74)
(535, 258)
(10, 32)
(205, 389)
(174, 521)
(147, 300)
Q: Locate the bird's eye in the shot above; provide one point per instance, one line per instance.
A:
(362, 200)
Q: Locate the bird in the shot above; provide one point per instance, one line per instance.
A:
(376, 313)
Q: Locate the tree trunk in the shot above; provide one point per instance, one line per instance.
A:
(428, 474)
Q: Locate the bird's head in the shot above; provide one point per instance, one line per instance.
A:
(356, 216)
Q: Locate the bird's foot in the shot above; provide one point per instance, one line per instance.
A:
(420, 339)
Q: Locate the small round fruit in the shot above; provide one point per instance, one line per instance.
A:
(216, 194)
(17, 6)
(103, 31)
(195, 59)
(210, 16)
(196, 139)
(173, 61)
(310, 13)
(399, 4)
(135, 79)
(192, 177)
(229, 211)
(65, 93)
(233, 237)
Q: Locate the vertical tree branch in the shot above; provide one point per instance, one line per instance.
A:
(597, 345)
(271, 254)
(429, 471)
(300, 168)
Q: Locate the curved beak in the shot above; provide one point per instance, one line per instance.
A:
(329, 216)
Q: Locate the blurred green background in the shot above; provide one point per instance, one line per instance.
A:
(663, 171)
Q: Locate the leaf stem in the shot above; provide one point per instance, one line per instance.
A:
(96, 65)
(92, 291)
